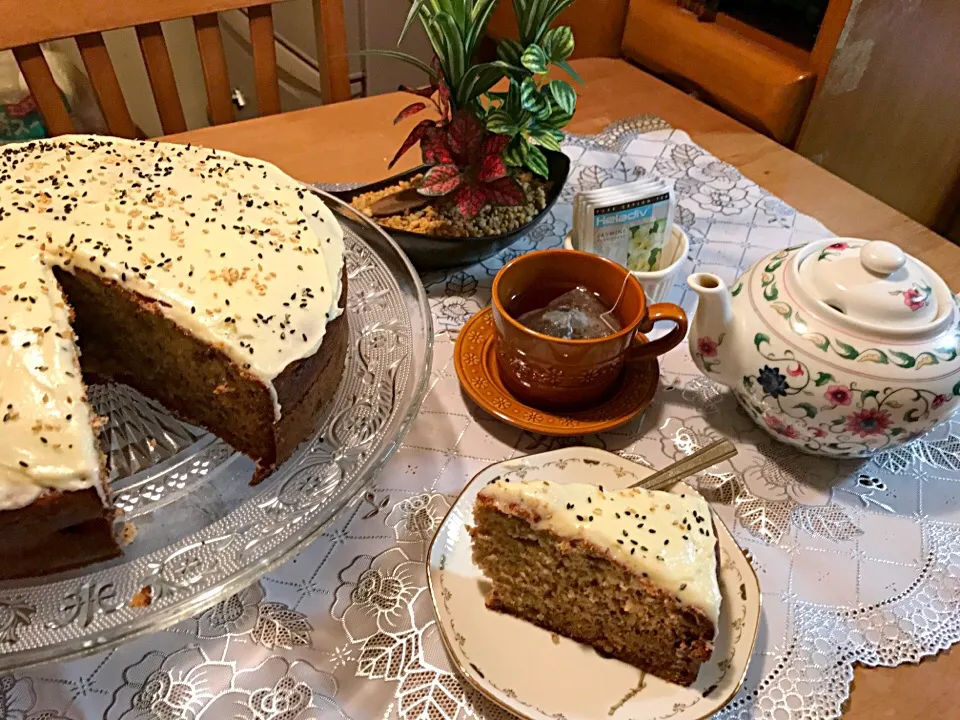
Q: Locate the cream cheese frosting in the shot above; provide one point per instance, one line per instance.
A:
(666, 537)
(231, 249)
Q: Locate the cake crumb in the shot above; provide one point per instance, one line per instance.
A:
(555, 638)
(222, 389)
(127, 534)
(142, 598)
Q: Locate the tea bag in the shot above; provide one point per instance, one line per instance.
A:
(629, 224)
(576, 315)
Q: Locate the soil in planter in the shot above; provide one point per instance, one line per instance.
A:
(444, 219)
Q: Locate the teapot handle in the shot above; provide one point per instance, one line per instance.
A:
(641, 349)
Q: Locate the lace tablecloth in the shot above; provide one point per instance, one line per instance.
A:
(857, 562)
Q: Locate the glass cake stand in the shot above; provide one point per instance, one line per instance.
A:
(202, 531)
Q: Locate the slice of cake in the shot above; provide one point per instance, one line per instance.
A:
(632, 573)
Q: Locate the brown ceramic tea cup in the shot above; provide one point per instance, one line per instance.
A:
(549, 372)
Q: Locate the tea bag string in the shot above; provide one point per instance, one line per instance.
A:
(623, 289)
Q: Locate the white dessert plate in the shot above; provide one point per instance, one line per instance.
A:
(541, 676)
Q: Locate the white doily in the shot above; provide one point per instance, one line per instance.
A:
(857, 562)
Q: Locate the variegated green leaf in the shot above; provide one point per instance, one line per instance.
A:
(537, 161)
(565, 66)
(405, 57)
(547, 13)
(516, 153)
(456, 59)
(501, 123)
(546, 138)
(564, 95)
(510, 51)
(477, 80)
(477, 25)
(534, 59)
(557, 120)
(529, 95)
(558, 43)
(411, 16)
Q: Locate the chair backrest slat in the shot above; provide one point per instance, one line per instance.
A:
(44, 88)
(264, 59)
(96, 60)
(214, 63)
(25, 25)
(33, 21)
(162, 82)
(331, 31)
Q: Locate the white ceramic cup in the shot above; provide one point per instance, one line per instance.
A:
(657, 284)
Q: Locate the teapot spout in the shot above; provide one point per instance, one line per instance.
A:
(711, 342)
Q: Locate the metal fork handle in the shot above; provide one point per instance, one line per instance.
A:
(690, 465)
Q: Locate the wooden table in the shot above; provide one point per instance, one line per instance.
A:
(354, 141)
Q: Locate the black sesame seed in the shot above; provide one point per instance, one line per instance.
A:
(683, 587)
(569, 506)
(580, 518)
(666, 542)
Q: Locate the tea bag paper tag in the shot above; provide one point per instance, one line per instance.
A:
(629, 224)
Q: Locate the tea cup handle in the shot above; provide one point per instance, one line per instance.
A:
(661, 312)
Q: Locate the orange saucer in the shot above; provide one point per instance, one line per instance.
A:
(476, 361)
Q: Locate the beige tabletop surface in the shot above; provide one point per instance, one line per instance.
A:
(354, 141)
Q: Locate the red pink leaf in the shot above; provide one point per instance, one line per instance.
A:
(413, 138)
(444, 99)
(436, 150)
(440, 180)
(505, 191)
(424, 92)
(465, 134)
(409, 111)
(495, 144)
(492, 167)
(471, 199)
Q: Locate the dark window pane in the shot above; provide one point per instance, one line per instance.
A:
(796, 21)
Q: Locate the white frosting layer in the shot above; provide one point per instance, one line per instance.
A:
(665, 537)
(231, 249)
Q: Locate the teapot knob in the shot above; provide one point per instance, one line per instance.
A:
(882, 258)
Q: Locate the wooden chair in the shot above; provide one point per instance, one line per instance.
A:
(27, 23)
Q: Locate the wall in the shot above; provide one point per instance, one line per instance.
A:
(887, 118)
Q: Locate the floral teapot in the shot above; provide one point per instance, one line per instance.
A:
(842, 347)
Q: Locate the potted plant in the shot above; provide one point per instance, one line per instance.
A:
(492, 164)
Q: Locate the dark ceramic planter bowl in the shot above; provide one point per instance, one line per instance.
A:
(429, 252)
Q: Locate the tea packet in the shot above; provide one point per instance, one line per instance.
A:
(629, 224)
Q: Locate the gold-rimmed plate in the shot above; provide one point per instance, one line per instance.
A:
(541, 676)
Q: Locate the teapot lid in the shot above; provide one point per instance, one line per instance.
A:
(871, 282)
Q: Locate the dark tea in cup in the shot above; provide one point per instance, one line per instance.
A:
(566, 322)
